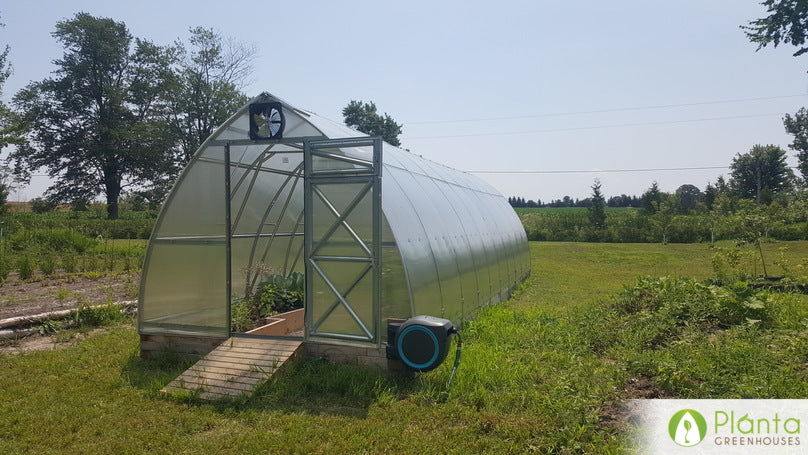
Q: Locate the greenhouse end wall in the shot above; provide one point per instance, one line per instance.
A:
(450, 243)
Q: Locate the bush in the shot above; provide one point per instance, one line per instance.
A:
(101, 315)
(683, 301)
(80, 205)
(25, 268)
(51, 240)
(46, 264)
(5, 268)
(69, 263)
(42, 205)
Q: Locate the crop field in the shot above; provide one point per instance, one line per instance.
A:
(544, 372)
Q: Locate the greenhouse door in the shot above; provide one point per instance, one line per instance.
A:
(342, 209)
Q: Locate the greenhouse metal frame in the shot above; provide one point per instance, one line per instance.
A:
(380, 233)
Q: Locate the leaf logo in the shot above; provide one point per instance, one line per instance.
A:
(687, 427)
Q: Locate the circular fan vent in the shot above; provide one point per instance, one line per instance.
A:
(266, 121)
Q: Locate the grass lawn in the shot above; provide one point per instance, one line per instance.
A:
(538, 374)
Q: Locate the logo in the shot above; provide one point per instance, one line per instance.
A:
(687, 427)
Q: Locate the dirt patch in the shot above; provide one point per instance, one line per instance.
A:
(622, 413)
(50, 342)
(65, 291)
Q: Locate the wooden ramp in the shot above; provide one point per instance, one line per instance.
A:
(235, 367)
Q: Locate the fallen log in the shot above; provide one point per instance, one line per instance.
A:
(25, 321)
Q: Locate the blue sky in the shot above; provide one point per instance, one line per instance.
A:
(584, 86)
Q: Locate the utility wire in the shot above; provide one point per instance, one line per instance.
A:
(599, 111)
(596, 171)
(582, 171)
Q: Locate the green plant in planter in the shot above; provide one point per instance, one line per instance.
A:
(278, 294)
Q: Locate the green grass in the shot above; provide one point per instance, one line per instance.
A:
(538, 373)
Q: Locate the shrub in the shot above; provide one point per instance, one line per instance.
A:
(80, 205)
(69, 263)
(25, 268)
(51, 240)
(683, 301)
(42, 205)
(101, 315)
(5, 268)
(46, 264)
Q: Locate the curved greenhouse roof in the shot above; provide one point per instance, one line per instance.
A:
(378, 232)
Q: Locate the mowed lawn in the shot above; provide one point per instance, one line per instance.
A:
(534, 378)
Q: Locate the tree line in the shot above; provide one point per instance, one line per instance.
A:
(121, 115)
(761, 175)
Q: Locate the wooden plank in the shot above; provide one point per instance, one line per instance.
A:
(230, 362)
(245, 378)
(262, 346)
(252, 370)
(242, 359)
(245, 357)
(213, 396)
(260, 341)
(254, 350)
(213, 384)
(222, 382)
(206, 394)
(198, 378)
(236, 367)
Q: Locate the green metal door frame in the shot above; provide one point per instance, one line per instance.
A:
(350, 170)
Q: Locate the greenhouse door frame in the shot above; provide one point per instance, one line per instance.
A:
(316, 184)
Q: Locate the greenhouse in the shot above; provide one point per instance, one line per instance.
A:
(379, 233)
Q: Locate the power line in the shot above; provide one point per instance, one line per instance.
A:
(600, 111)
(619, 125)
(582, 171)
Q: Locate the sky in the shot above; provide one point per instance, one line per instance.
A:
(538, 98)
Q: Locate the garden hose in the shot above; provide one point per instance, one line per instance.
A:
(457, 359)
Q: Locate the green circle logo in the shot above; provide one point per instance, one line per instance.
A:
(687, 427)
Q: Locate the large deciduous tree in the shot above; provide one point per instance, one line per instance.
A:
(210, 77)
(762, 172)
(787, 23)
(688, 196)
(98, 125)
(10, 127)
(797, 125)
(363, 117)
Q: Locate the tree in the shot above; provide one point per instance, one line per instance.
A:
(688, 196)
(363, 117)
(652, 199)
(761, 171)
(10, 127)
(6, 186)
(798, 127)
(207, 89)
(98, 126)
(597, 211)
(787, 23)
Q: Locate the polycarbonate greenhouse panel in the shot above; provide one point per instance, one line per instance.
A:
(450, 243)
(185, 290)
